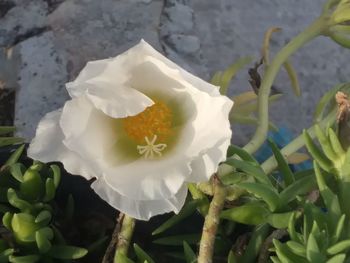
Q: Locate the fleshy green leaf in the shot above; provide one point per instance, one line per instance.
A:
(56, 174)
(50, 190)
(15, 155)
(301, 186)
(43, 218)
(250, 169)
(293, 77)
(318, 155)
(342, 246)
(244, 155)
(280, 220)
(282, 164)
(340, 258)
(231, 258)
(249, 214)
(67, 252)
(15, 201)
(141, 255)
(190, 256)
(6, 129)
(185, 212)
(24, 259)
(5, 141)
(42, 242)
(265, 192)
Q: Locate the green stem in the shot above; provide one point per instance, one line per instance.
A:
(124, 237)
(211, 223)
(270, 164)
(314, 30)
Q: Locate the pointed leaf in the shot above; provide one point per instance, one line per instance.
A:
(342, 246)
(340, 258)
(190, 256)
(5, 141)
(250, 169)
(50, 190)
(299, 187)
(24, 259)
(67, 252)
(44, 217)
(56, 174)
(15, 155)
(142, 256)
(265, 192)
(249, 214)
(279, 220)
(293, 77)
(282, 164)
(244, 155)
(6, 129)
(185, 212)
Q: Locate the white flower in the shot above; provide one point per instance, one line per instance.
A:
(142, 126)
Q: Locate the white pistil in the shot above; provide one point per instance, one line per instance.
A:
(150, 149)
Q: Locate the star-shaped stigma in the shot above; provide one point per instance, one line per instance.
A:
(151, 149)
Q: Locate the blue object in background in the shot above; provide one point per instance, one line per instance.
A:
(282, 137)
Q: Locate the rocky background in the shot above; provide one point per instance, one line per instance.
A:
(45, 43)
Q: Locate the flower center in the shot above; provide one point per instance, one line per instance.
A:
(151, 128)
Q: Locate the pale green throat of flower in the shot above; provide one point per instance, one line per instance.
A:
(150, 129)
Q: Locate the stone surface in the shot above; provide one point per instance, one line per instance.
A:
(201, 35)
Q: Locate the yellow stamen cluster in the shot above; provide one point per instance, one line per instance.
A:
(156, 120)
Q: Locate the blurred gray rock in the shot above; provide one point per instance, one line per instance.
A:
(203, 36)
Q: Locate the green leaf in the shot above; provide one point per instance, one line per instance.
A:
(50, 190)
(324, 101)
(342, 246)
(15, 155)
(203, 205)
(283, 166)
(98, 244)
(5, 141)
(42, 242)
(338, 149)
(244, 155)
(330, 199)
(326, 144)
(265, 192)
(299, 187)
(280, 220)
(7, 219)
(338, 230)
(43, 218)
(6, 129)
(141, 255)
(190, 256)
(293, 77)
(231, 258)
(15, 201)
(229, 73)
(340, 258)
(4, 255)
(251, 252)
(291, 229)
(32, 186)
(178, 240)
(56, 174)
(16, 171)
(296, 248)
(121, 258)
(286, 255)
(249, 214)
(255, 171)
(313, 252)
(67, 252)
(319, 156)
(24, 259)
(185, 212)
(47, 232)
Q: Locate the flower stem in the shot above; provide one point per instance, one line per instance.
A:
(311, 32)
(211, 223)
(124, 236)
(270, 164)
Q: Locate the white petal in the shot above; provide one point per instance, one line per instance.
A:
(47, 146)
(117, 101)
(92, 69)
(144, 48)
(205, 165)
(87, 130)
(146, 179)
(140, 209)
